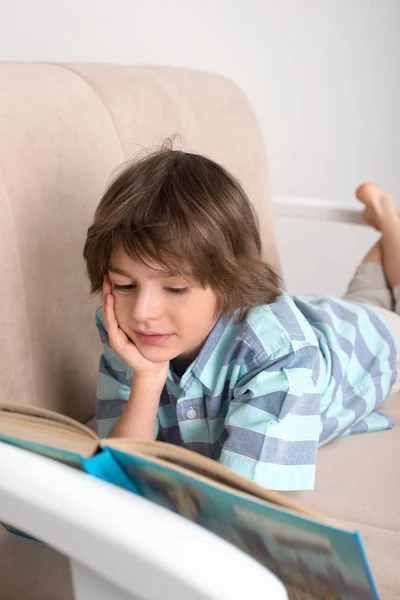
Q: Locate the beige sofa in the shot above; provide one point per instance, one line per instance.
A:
(64, 128)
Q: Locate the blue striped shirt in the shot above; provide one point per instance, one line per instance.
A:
(265, 393)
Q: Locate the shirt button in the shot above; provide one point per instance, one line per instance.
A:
(191, 413)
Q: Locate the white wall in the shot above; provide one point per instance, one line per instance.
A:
(321, 74)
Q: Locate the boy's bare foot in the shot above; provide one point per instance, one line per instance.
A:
(380, 208)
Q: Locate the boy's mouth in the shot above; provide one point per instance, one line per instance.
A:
(152, 339)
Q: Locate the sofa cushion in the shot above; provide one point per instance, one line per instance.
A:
(80, 123)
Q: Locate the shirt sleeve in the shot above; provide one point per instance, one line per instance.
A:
(113, 384)
(274, 423)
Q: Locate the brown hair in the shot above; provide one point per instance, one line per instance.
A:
(184, 211)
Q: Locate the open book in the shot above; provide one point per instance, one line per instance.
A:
(313, 556)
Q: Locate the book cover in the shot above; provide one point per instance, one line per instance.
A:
(313, 559)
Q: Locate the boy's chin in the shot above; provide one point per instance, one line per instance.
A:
(158, 353)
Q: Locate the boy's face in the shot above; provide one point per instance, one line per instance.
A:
(149, 300)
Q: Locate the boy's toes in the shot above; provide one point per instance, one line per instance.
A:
(369, 192)
(379, 205)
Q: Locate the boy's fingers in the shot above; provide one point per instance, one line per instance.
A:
(106, 285)
(104, 292)
(108, 307)
(103, 299)
(106, 289)
(110, 317)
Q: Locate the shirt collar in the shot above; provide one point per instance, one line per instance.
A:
(198, 367)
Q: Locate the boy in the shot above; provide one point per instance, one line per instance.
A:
(202, 348)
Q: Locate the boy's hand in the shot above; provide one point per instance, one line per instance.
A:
(120, 342)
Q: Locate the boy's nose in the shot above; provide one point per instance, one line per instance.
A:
(146, 306)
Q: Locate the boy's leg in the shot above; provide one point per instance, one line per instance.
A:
(377, 279)
(369, 283)
(381, 212)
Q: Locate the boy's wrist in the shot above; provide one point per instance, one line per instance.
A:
(140, 413)
(147, 385)
(156, 377)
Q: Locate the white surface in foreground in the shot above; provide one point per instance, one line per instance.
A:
(119, 543)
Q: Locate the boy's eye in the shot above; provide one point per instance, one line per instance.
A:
(122, 288)
(131, 286)
(178, 290)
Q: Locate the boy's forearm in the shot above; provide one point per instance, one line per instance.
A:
(139, 417)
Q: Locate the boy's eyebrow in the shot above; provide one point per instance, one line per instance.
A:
(157, 273)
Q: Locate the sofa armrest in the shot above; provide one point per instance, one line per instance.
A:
(120, 542)
(317, 209)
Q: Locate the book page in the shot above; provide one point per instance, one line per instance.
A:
(47, 429)
(174, 456)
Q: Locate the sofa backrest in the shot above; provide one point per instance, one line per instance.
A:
(64, 129)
